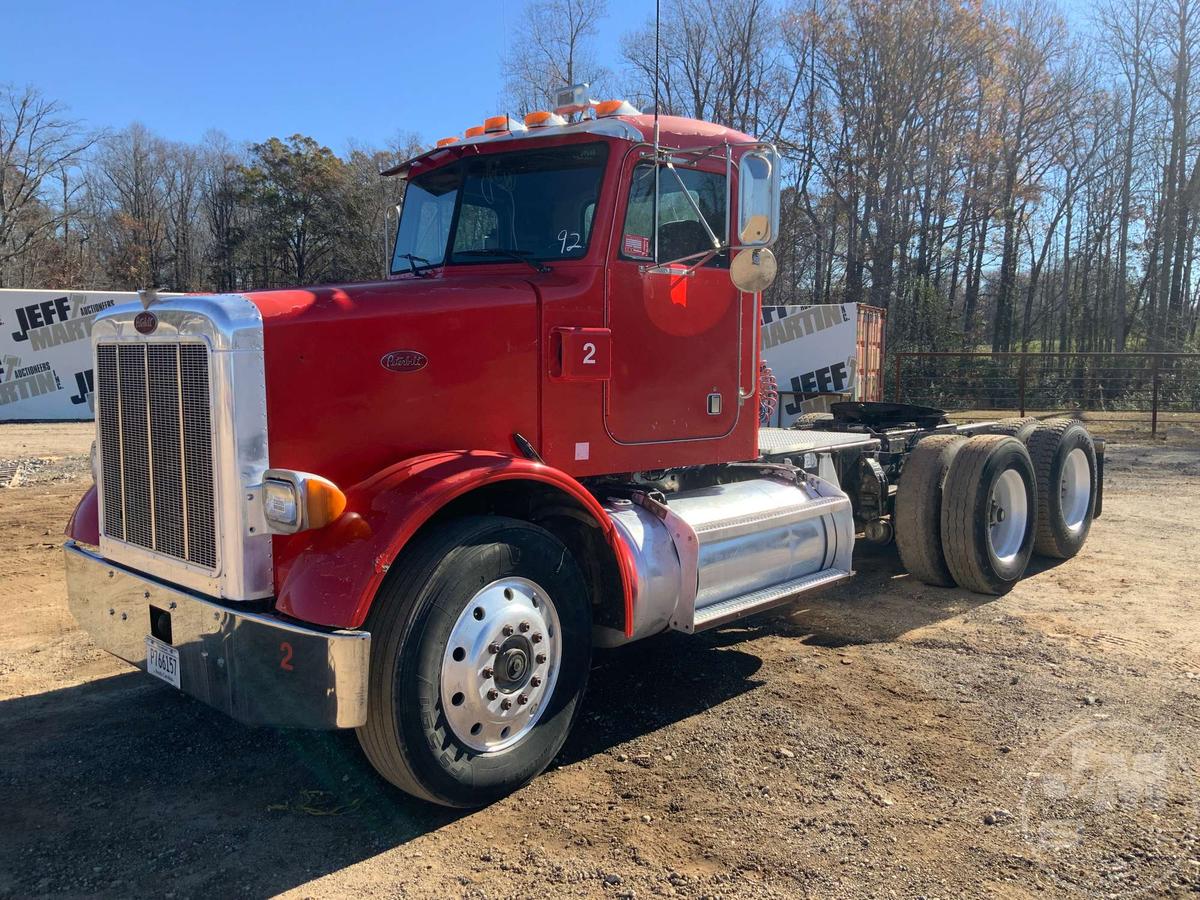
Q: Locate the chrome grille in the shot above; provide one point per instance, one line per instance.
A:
(156, 454)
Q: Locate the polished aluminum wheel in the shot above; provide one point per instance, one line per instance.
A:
(1008, 515)
(500, 664)
(1075, 489)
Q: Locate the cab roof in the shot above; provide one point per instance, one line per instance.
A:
(675, 132)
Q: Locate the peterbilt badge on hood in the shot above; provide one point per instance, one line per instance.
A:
(403, 361)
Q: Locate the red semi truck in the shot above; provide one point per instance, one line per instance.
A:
(414, 507)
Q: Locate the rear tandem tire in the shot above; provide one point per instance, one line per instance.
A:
(1020, 428)
(1064, 459)
(919, 509)
(460, 572)
(989, 512)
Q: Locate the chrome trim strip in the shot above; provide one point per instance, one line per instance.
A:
(255, 667)
(183, 464)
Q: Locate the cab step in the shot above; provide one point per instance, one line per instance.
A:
(764, 598)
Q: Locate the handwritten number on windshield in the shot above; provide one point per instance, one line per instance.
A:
(569, 241)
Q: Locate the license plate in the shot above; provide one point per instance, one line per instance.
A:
(162, 660)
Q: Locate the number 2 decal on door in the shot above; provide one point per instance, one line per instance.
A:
(581, 354)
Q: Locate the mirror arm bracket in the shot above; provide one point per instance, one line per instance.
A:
(690, 269)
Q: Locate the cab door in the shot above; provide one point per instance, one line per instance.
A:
(677, 341)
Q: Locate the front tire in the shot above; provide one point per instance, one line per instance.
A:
(480, 650)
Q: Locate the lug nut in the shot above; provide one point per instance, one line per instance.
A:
(524, 627)
(536, 638)
(535, 681)
(487, 672)
(506, 703)
(541, 658)
(493, 648)
(522, 699)
(493, 694)
(507, 630)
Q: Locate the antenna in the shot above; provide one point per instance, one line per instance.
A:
(657, 18)
(656, 42)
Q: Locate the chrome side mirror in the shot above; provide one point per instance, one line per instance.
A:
(758, 198)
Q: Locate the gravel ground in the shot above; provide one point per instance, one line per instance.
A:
(884, 739)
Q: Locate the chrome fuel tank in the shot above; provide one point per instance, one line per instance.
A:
(713, 554)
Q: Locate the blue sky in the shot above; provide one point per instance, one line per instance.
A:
(361, 70)
(357, 69)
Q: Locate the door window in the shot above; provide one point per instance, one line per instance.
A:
(680, 232)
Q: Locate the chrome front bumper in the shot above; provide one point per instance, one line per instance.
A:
(257, 668)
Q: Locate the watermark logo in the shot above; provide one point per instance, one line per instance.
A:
(1098, 778)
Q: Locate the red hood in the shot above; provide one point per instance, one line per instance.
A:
(346, 395)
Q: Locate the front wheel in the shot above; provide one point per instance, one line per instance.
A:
(480, 649)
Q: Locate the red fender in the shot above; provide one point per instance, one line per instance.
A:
(84, 524)
(330, 576)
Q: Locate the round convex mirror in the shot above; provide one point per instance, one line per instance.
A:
(753, 270)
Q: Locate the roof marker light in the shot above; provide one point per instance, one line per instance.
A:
(499, 124)
(543, 119)
(473, 131)
(447, 141)
(614, 108)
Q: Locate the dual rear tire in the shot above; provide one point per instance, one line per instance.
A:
(965, 512)
(971, 511)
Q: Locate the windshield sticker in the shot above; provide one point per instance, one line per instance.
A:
(569, 241)
(636, 245)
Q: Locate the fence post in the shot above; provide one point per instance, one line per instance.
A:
(1021, 383)
(896, 382)
(1154, 395)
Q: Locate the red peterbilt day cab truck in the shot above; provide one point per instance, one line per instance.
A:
(414, 507)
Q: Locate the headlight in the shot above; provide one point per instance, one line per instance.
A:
(281, 505)
(299, 501)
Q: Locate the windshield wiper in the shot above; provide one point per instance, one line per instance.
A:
(518, 255)
(418, 265)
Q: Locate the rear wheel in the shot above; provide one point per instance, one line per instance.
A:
(1064, 459)
(989, 504)
(1020, 428)
(919, 509)
(480, 648)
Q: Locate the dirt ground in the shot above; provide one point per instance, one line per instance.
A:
(886, 739)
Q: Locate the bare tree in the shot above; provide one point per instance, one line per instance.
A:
(38, 146)
(552, 49)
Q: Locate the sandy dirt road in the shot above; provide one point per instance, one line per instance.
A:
(886, 739)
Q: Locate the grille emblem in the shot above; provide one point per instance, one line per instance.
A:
(145, 322)
(403, 361)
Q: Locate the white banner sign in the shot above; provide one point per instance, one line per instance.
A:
(812, 351)
(46, 352)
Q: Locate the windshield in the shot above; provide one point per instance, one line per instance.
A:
(534, 204)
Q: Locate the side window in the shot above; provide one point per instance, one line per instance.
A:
(680, 232)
